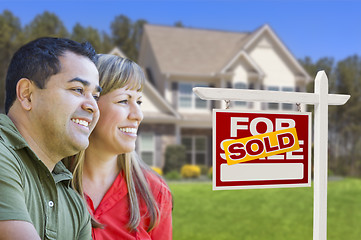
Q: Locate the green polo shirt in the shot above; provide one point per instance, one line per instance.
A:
(30, 192)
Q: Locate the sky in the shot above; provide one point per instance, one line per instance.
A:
(314, 28)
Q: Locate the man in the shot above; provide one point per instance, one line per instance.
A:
(51, 89)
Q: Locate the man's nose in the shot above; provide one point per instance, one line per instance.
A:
(90, 105)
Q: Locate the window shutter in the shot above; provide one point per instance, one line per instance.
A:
(175, 94)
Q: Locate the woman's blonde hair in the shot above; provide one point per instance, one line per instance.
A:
(116, 72)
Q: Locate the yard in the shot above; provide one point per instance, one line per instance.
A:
(263, 214)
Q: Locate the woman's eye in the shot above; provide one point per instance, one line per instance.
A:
(123, 101)
(139, 102)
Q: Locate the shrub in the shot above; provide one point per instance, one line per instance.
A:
(157, 170)
(190, 171)
(175, 158)
(204, 169)
(210, 172)
(173, 175)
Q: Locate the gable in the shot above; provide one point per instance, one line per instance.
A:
(275, 53)
(275, 64)
(155, 108)
(270, 58)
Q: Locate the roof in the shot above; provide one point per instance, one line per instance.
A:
(116, 51)
(201, 52)
(193, 51)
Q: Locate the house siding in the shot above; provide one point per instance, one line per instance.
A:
(164, 135)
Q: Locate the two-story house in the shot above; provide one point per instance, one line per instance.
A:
(177, 59)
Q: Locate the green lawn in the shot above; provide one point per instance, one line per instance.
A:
(263, 214)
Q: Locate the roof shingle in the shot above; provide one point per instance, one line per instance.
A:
(193, 51)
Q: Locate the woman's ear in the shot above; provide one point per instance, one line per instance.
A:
(24, 89)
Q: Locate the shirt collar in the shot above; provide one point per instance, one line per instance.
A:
(61, 173)
(10, 134)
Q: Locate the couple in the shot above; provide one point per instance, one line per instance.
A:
(55, 91)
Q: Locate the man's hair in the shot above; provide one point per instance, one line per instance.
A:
(38, 60)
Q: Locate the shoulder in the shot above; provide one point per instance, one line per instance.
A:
(159, 187)
(155, 181)
(9, 161)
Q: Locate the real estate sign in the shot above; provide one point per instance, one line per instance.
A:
(261, 149)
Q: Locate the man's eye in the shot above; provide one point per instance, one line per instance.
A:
(78, 90)
(96, 97)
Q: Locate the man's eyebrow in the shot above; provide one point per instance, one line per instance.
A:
(85, 83)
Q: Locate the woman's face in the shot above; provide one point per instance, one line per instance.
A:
(120, 116)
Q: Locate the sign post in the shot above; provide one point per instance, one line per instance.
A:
(321, 160)
(321, 99)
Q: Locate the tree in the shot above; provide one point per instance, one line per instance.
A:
(121, 29)
(45, 25)
(81, 34)
(127, 36)
(107, 43)
(136, 36)
(11, 38)
(346, 119)
(178, 24)
(326, 64)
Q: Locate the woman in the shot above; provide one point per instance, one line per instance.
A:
(126, 199)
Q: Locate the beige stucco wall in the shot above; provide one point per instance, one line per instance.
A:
(148, 105)
(240, 74)
(276, 69)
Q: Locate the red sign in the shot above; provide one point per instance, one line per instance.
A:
(261, 149)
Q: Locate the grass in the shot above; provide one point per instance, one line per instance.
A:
(263, 214)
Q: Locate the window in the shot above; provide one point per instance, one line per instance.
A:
(196, 148)
(283, 106)
(273, 106)
(147, 148)
(287, 106)
(240, 85)
(185, 95)
(187, 99)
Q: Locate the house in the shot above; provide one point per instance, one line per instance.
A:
(177, 59)
(118, 52)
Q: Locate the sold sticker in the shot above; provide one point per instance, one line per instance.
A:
(260, 146)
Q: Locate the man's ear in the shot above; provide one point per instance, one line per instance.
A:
(24, 89)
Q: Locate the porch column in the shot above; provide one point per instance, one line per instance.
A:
(177, 134)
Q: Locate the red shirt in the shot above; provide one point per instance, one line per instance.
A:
(113, 212)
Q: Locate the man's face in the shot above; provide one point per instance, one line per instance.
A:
(65, 112)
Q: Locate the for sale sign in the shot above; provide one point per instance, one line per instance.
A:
(261, 149)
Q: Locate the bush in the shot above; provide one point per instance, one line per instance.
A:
(210, 172)
(204, 169)
(190, 171)
(173, 175)
(157, 170)
(175, 158)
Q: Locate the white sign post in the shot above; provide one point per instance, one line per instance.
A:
(321, 99)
